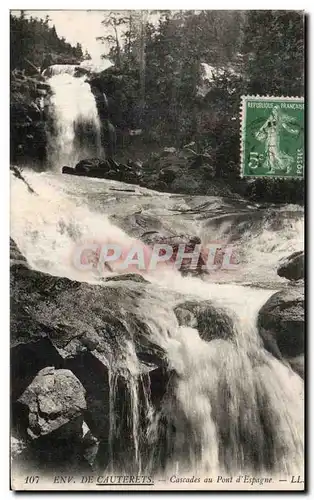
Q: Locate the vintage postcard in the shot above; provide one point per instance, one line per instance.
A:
(157, 250)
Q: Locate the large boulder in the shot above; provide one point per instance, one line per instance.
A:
(292, 267)
(68, 170)
(281, 323)
(86, 329)
(90, 166)
(106, 169)
(101, 335)
(55, 400)
(211, 321)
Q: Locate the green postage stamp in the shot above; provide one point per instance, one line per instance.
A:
(272, 136)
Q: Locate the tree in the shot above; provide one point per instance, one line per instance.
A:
(273, 49)
(87, 56)
(112, 22)
(78, 51)
(35, 41)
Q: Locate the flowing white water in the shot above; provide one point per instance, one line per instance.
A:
(76, 128)
(230, 406)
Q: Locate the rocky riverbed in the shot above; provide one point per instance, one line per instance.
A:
(113, 370)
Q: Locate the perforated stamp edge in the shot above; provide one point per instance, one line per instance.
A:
(257, 97)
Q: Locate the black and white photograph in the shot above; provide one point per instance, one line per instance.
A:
(157, 166)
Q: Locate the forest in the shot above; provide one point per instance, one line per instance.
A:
(34, 42)
(159, 82)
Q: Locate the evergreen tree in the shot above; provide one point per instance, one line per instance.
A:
(274, 52)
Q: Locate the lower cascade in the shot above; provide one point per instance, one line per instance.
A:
(174, 369)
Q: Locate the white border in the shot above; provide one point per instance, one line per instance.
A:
(257, 97)
(308, 5)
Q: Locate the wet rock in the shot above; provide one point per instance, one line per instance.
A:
(55, 400)
(292, 267)
(281, 323)
(17, 446)
(81, 327)
(50, 307)
(138, 278)
(90, 446)
(89, 165)
(94, 376)
(211, 321)
(16, 257)
(55, 452)
(297, 364)
(68, 170)
(106, 169)
(30, 353)
(79, 72)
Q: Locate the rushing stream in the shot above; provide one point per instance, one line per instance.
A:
(233, 406)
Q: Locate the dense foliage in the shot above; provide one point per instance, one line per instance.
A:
(252, 52)
(159, 82)
(34, 41)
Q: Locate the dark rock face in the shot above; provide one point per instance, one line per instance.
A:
(64, 334)
(68, 170)
(292, 268)
(90, 445)
(55, 400)
(89, 164)
(138, 278)
(16, 257)
(212, 322)
(76, 316)
(281, 323)
(27, 121)
(297, 364)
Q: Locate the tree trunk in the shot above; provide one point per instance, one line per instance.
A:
(142, 65)
(117, 45)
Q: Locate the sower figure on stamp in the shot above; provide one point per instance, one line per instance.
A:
(276, 159)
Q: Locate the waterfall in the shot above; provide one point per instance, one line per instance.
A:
(230, 406)
(75, 131)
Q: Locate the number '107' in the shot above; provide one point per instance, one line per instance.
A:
(32, 479)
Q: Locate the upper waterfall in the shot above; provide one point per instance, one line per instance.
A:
(60, 69)
(76, 126)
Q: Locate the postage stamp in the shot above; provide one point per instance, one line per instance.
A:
(272, 136)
